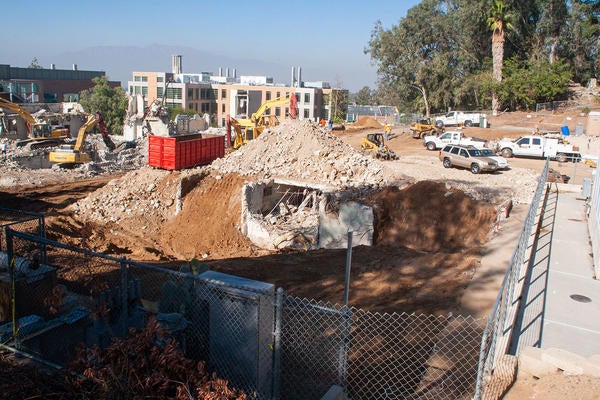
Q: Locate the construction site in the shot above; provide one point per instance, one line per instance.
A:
(292, 205)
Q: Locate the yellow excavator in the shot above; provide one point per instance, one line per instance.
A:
(374, 144)
(40, 133)
(75, 154)
(250, 128)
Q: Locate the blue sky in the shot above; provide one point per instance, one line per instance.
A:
(326, 38)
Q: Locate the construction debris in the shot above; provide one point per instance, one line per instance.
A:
(303, 151)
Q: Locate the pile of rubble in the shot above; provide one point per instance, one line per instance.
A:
(16, 160)
(303, 151)
(143, 192)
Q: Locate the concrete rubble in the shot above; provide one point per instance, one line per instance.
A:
(303, 151)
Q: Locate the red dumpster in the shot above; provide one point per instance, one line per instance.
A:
(184, 151)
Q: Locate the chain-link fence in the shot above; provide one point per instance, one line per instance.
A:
(376, 355)
(493, 362)
(268, 343)
(21, 221)
(555, 105)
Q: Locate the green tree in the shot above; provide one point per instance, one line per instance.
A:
(534, 81)
(364, 96)
(111, 102)
(581, 40)
(499, 21)
(35, 64)
(173, 111)
(416, 57)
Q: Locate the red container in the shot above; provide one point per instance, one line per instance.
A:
(185, 151)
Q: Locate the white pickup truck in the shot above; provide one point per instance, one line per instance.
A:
(540, 147)
(456, 118)
(433, 142)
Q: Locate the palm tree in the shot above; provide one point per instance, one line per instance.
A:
(498, 22)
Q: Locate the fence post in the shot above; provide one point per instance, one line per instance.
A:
(277, 343)
(346, 322)
(348, 264)
(124, 294)
(11, 276)
(42, 225)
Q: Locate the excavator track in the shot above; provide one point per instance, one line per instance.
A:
(44, 144)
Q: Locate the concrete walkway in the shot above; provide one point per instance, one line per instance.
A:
(572, 309)
(558, 321)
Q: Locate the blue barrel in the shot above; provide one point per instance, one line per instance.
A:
(565, 130)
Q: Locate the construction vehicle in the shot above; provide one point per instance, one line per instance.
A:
(76, 154)
(374, 144)
(40, 133)
(424, 127)
(247, 129)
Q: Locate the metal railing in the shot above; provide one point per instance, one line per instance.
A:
(593, 212)
(264, 341)
(496, 335)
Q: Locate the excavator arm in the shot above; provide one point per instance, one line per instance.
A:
(23, 113)
(92, 121)
(75, 154)
(250, 128)
(266, 106)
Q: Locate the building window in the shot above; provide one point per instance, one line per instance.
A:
(306, 114)
(223, 93)
(137, 90)
(137, 78)
(174, 93)
(198, 94)
(190, 106)
(223, 107)
(278, 111)
(160, 79)
(159, 92)
(278, 94)
(144, 91)
(268, 96)
(205, 107)
(144, 79)
(190, 93)
(307, 97)
(70, 96)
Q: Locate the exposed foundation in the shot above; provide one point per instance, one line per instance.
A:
(286, 214)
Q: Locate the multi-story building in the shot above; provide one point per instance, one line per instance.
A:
(42, 85)
(226, 94)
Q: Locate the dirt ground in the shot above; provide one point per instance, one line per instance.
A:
(429, 234)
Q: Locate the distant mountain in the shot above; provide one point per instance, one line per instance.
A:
(120, 61)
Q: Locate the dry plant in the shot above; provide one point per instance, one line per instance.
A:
(150, 364)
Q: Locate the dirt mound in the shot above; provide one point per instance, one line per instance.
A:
(300, 150)
(208, 223)
(426, 216)
(367, 122)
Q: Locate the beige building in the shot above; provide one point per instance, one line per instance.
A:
(221, 95)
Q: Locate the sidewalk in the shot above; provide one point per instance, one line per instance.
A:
(559, 312)
(571, 319)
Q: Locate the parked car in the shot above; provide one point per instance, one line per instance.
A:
(502, 162)
(466, 157)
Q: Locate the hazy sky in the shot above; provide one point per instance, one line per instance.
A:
(326, 37)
